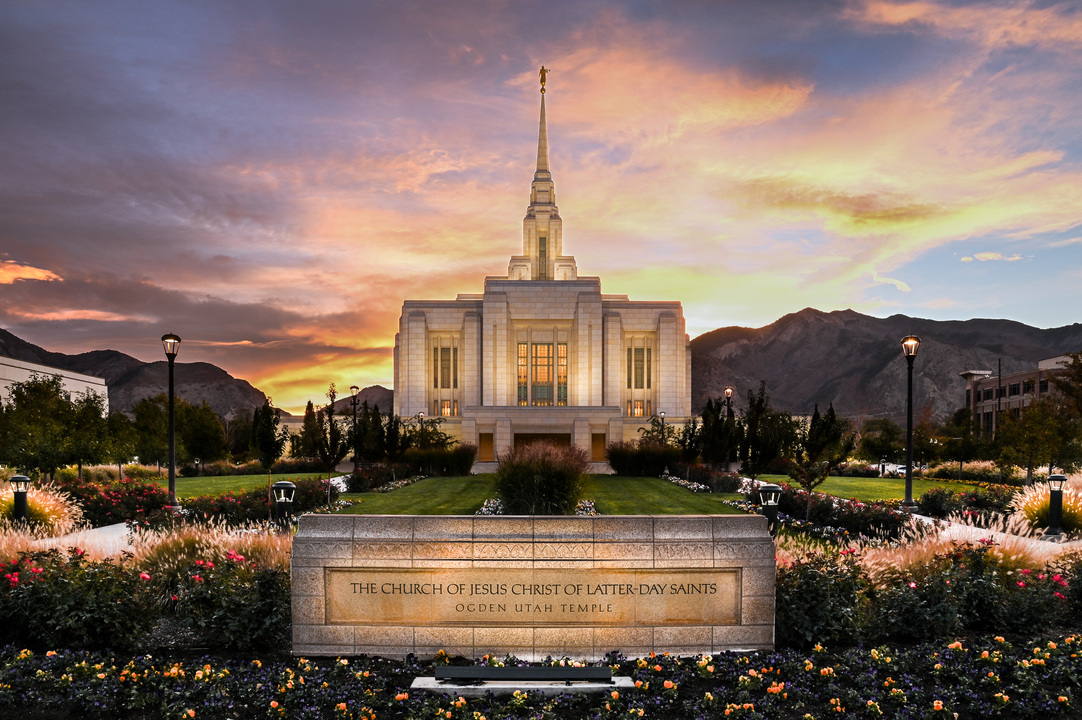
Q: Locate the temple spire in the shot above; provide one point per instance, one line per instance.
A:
(542, 140)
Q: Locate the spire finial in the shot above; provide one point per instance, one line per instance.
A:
(544, 76)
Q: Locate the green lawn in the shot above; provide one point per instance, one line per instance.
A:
(195, 486)
(871, 489)
(612, 495)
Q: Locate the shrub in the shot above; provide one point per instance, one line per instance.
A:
(254, 505)
(541, 479)
(975, 472)
(939, 503)
(234, 605)
(369, 477)
(818, 598)
(49, 511)
(61, 599)
(437, 461)
(115, 501)
(643, 459)
(856, 470)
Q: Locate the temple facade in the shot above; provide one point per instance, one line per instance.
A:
(542, 353)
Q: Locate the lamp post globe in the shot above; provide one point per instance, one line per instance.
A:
(910, 345)
(171, 343)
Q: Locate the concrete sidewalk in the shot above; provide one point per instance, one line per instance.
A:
(110, 540)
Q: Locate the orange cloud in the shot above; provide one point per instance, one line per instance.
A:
(11, 271)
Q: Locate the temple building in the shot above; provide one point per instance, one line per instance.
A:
(542, 353)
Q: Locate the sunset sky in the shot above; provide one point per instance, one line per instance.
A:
(271, 180)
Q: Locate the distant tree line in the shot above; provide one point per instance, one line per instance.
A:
(43, 428)
(756, 438)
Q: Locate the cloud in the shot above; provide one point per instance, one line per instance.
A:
(990, 257)
(11, 271)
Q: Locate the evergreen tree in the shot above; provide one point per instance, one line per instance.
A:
(268, 439)
(333, 443)
(767, 433)
(825, 443)
(89, 441)
(308, 442)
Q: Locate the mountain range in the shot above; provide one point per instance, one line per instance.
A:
(855, 361)
(806, 358)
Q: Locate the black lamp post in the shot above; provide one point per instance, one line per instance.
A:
(728, 414)
(353, 401)
(284, 492)
(1055, 507)
(20, 486)
(769, 497)
(421, 429)
(171, 343)
(910, 343)
(664, 437)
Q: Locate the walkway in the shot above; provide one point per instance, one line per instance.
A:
(107, 541)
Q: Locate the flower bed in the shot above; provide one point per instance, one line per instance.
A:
(976, 677)
(494, 506)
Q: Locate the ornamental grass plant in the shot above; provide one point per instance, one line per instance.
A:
(541, 479)
(1032, 503)
(50, 511)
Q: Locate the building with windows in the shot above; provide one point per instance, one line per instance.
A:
(13, 371)
(542, 353)
(989, 396)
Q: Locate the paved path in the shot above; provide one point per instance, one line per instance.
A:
(110, 540)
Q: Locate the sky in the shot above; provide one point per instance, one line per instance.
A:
(270, 181)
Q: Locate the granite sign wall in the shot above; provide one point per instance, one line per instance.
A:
(531, 586)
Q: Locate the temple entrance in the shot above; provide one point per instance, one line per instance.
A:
(558, 439)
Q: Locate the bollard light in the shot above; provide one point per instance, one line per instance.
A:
(1055, 507)
(769, 497)
(20, 486)
(284, 492)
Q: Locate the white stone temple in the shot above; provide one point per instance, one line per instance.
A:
(542, 353)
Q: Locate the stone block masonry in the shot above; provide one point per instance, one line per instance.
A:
(532, 587)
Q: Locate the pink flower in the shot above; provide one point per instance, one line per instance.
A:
(912, 584)
(197, 578)
(144, 576)
(1021, 584)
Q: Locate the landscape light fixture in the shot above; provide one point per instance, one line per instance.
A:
(910, 344)
(353, 389)
(769, 497)
(20, 486)
(1055, 507)
(171, 342)
(664, 438)
(284, 492)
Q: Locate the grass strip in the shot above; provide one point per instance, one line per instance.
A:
(612, 495)
(188, 487)
(871, 489)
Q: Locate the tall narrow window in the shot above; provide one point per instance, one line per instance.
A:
(435, 367)
(649, 371)
(523, 375)
(630, 368)
(638, 408)
(454, 369)
(542, 374)
(561, 374)
(542, 258)
(445, 367)
(445, 408)
(640, 355)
